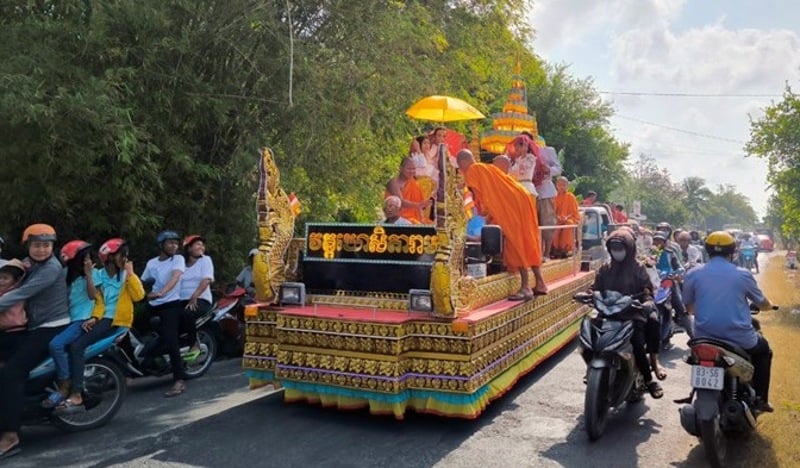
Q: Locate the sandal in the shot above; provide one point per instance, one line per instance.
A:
(537, 292)
(177, 389)
(520, 296)
(191, 355)
(69, 407)
(10, 452)
(54, 400)
(655, 390)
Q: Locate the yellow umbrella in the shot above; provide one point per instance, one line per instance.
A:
(443, 109)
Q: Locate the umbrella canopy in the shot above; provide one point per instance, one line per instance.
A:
(443, 109)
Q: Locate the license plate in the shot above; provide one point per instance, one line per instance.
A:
(709, 378)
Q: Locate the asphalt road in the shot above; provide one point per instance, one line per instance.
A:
(219, 423)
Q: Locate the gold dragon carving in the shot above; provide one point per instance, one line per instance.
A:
(450, 287)
(275, 229)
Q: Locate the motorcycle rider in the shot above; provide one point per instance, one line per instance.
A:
(671, 262)
(625, 275)
(717, 294)
(747, 242)
(44, 290)
(166, 270)
(690, 255)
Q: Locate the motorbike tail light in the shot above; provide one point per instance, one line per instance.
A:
(707, 354)
(667, 283)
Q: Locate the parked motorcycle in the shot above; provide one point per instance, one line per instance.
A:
(227, 325)
(722, 400)
(748, 258)
(612, 376)
(105, 390)
(143, 353)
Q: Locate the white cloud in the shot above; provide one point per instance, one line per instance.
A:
(647, 46)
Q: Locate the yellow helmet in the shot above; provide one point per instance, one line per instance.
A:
(720, 243)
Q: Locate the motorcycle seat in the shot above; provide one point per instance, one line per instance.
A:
(738, 350)
(48, 366)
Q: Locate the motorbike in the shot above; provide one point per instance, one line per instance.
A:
(227, 325)
(748, 258)
(722, 401)
(104, 393)
(143, 353)
(663, 302)
(612, 377)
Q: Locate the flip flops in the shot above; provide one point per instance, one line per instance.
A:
(10, 452)
(655, 390)
(69, 407)
(53, 401)
(178, 388)
(521, 296)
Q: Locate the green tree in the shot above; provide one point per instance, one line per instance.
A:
(696, 199)
(776, 138)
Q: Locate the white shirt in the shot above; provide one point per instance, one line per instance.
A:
(161, 272)
(547, 189)
(522, 169)
(692, 257)
(202, 269)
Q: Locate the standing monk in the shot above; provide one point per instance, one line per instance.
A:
(566, 213)
(508, 204)
(405, 187)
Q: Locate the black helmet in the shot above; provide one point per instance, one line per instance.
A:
(664, 227)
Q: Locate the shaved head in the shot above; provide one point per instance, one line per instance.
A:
(503, 162)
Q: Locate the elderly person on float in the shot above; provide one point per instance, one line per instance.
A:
(508, 204)
(391, 211)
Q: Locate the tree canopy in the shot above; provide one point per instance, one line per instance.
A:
(776, 138)
(123, 118)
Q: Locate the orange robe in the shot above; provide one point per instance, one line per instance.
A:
(566, 213)
(413, 193)
(511, 206)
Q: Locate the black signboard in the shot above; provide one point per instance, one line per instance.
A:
(368, 257)
(370, 243)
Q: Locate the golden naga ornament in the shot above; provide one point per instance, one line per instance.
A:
(275, 229)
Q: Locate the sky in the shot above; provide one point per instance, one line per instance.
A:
(709, 47)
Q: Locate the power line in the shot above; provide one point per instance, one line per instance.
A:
(700, 95)
(680, 130)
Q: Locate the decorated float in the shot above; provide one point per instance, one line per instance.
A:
(385, 317)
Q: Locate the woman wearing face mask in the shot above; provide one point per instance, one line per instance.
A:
(625, 275)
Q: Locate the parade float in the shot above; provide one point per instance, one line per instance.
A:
(396, 318)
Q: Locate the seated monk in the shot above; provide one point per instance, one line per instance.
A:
(412, 199)
(508, 204)
(566, 213)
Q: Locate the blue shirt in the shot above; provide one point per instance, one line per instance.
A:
(112, 285)
(719, 291)
(80, 306)
(475, 224)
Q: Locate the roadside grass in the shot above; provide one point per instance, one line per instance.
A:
(779, 433)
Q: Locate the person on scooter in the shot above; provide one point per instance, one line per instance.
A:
(44, 289)
(164, 299)
(717, 294)
(245, 277)
(84, 298)
(690, 255)
(625, 275)
(668, 261)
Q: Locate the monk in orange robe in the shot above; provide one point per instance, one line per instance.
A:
(566, 213)
(508, 204)
(408, 190)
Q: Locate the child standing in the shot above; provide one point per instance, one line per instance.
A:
(120, 288)
(84, 298)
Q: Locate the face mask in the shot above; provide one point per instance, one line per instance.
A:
(618, 255)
